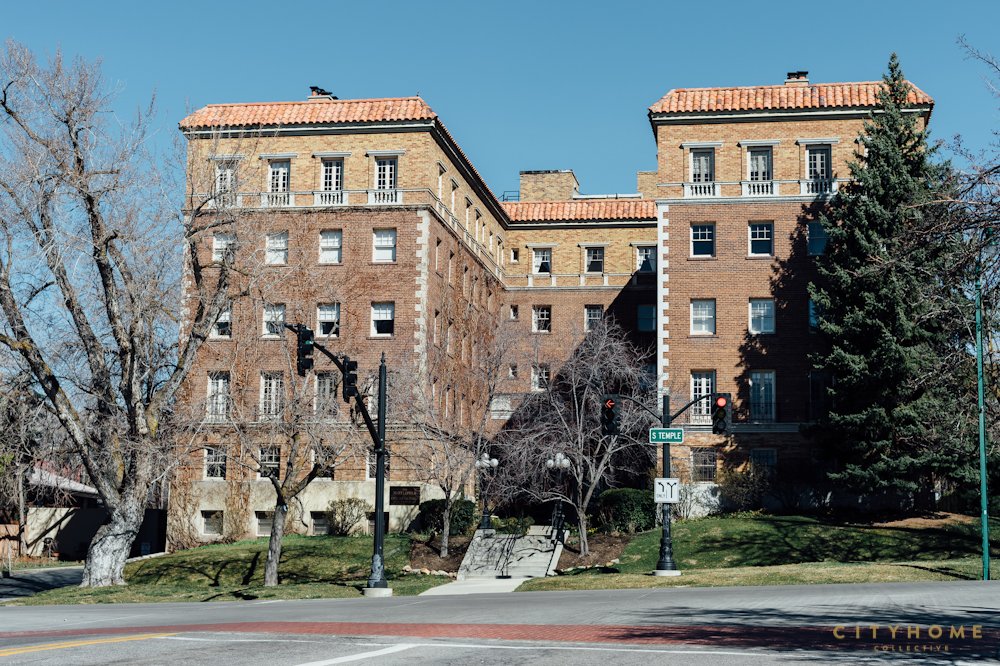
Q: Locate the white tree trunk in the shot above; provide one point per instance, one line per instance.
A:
(110, 547)
(446, 528)
(581, 522)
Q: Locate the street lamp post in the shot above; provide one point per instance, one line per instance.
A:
(666, 566)
(485, 465)
(981, 395)
(559, 464)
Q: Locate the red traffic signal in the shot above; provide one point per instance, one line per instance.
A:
(721, 401)
(722, 413)
(610, 415)
(609, 403)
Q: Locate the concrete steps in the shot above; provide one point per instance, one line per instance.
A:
(492, 555)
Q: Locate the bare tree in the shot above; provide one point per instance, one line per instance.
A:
(452, 411)
(565, 418)
(91, 252)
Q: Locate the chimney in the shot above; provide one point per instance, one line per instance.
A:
(315, 92)
(549, 185)
(800, 78)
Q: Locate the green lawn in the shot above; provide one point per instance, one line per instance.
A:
(785, 550)
(311, 568)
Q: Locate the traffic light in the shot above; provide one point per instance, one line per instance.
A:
(305, 343)
(610, 414)
(722, 413)
(350, 385)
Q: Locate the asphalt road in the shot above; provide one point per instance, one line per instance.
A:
(762, 625)
(26, 582)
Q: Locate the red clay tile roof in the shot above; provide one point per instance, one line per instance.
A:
(582, 209)
(760, 98)
(314, 111)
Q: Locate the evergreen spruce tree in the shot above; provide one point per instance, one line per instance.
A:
(891, 308)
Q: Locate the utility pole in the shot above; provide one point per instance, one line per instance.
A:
(980, 381)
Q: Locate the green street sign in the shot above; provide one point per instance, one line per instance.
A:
(666, 435)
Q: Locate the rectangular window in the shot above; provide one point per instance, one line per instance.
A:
(328, 320)
(320, 523)
(703, 465)
(272, 394)
(818, 163)
(762, 396)
(265, 520)
(371, 467)
(764, 460)
(543, 260)
(513, 313)
(270, 462)
(219, 402)
(541, 319)
(595, 259)
(703, 317)
(383, 319)
(512, 371)
(702, 383)
(223, 245)
(327, 385)
(646, 258)
(703, 240)
(500, 407)
(274, 320)
(514, 254)
(761, 239)
(211, 523)
(385, 173)
(646, 318)
(223, 326)
(384, 245)
(762, 315)
(331, 246)
(225, 181)
(703, 165)
(332, 179)
(540, 377)
(278, 176)
(814, 312)
(817, 239)
(277, 248)
(760, 164)
(215, 462)
(437, 255)
(592, 315)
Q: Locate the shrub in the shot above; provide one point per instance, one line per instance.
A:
(431, 516)
(513, 525)
(343, 515)
(744, 490)
(627, 510)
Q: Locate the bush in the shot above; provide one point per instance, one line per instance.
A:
(343, 515)
(627, 510)
(431, 516)
(744, 490)
(513, 525)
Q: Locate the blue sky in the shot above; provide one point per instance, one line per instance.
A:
(521, 85)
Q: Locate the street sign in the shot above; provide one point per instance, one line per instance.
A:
(667, 491)
(666, 435)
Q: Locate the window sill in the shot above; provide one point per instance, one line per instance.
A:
(281, 265)
(542, 332)
(760, 332)
(706, 336)
(331, 263)
(220, 337)
(760, 256)
(381, 337)
(213, 478)
(382, 263)
(270, 337)
(703, 257)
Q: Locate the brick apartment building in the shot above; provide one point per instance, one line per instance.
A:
(365, 220)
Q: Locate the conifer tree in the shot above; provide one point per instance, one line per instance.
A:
(890, 305)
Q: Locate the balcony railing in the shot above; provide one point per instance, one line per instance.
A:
(277, 199)
(700, 190)
(817, 187)
(382, 197)
(759, 188)
(329, 198)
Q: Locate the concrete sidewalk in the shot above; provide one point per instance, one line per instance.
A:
(476, 586)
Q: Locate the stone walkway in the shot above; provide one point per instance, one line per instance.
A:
(476, 586)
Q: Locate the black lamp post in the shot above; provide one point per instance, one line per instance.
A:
(559, 464)
(485, 465)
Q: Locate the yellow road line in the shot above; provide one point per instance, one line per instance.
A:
(10, 652)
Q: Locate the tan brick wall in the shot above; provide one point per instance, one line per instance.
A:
(548, 185)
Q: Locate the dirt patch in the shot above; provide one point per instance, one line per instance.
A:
(932, 520)
(426, 554)
(603, 549)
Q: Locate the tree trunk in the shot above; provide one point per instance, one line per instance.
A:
(446, 528)
(274, 545)
(110, 547)
(22, 513)
(581, 522)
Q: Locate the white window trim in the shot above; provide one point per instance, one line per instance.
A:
(715, 317)
(586, 319)
(755, 143)
(770, 163)
(283, 310)
(750, 252)
(340, 247)
(687, 145)
(638, 260)
(813, 142)
(774, 316)
(702, 411)
(690, 156)
(535, 310)
(691, 240)
(385, 153)
(319, 321)
(331, 155)
(392, 311)
(278, 157)
(376, 247)
(586, 263)
(225, 315)
(276, 237)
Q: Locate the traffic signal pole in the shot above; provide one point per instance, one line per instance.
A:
(377, 578)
